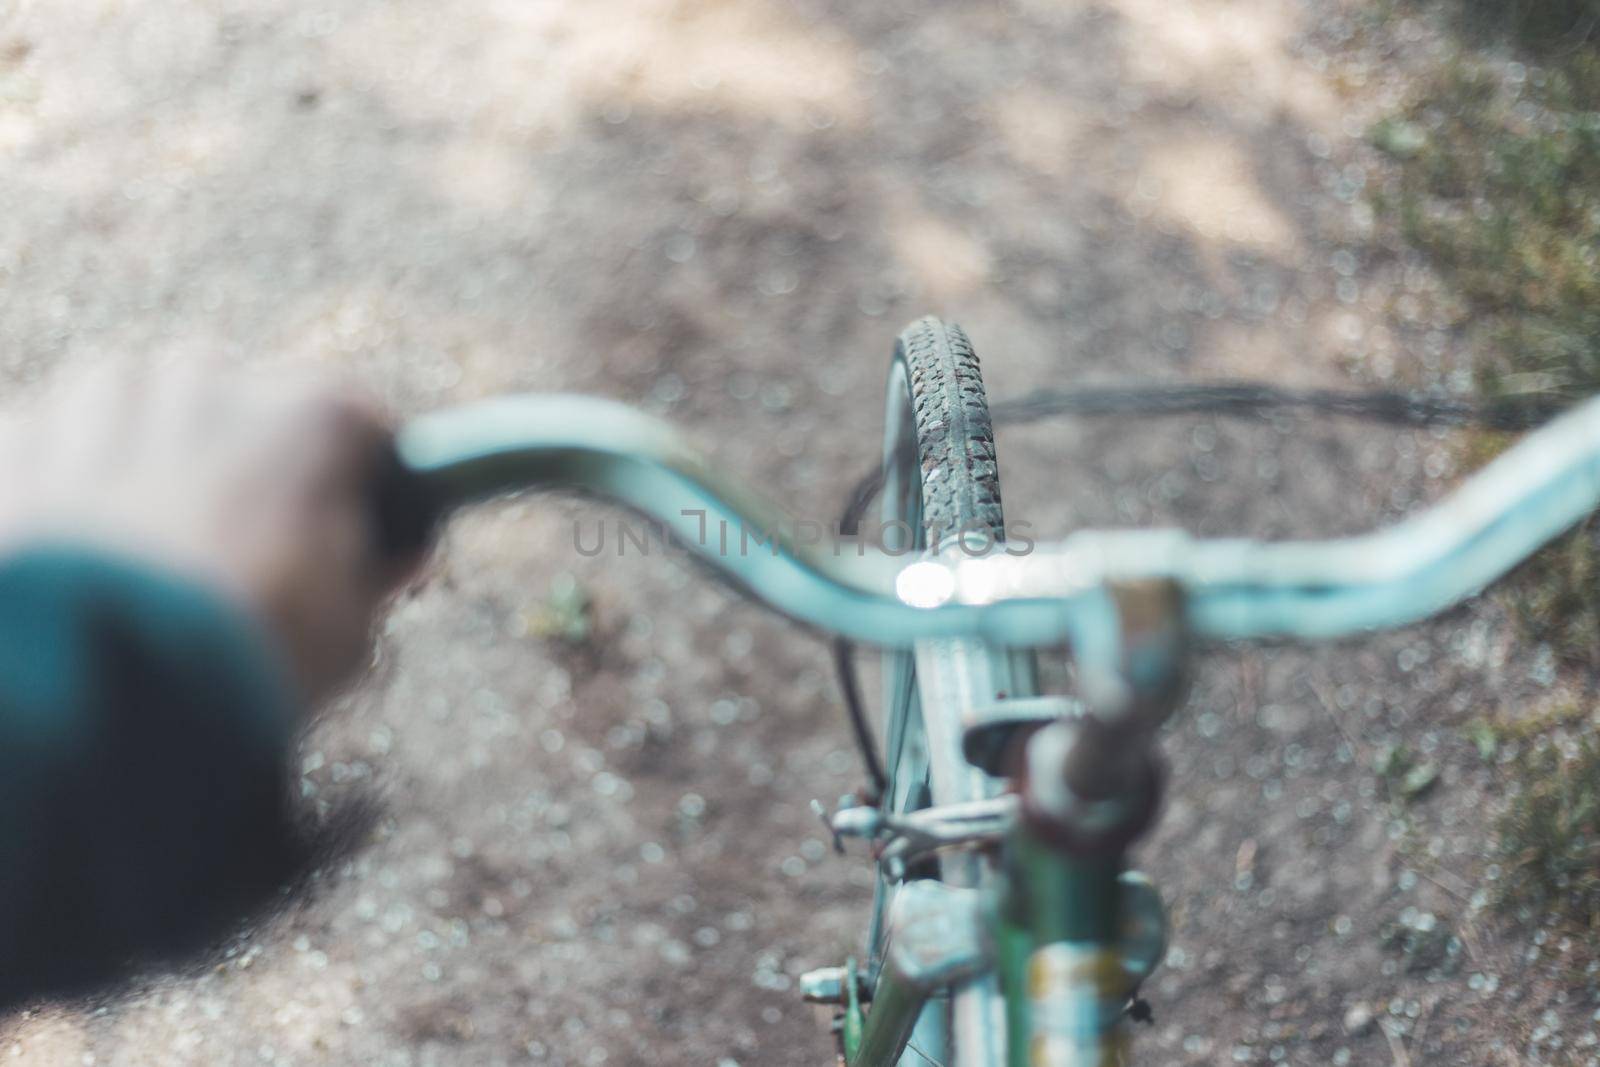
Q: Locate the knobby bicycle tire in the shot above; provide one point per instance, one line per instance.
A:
(955, 437)
(955, 492)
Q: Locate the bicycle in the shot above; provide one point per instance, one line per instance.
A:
(1005, 928)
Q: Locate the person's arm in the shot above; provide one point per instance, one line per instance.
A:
(187, 564)
(143, 732)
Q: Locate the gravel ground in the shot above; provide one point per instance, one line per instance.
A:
(723, 211)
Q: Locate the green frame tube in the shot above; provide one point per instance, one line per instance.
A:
(1057, 932)
(895, 1009)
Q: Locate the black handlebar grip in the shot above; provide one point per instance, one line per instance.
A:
(404, 509)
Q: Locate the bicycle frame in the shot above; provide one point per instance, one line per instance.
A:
(1068, 936)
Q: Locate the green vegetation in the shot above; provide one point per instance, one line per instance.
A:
(1491, 736)
(1534, 25)
(1497, 160)
(1499, 184)
(1424, 943)
(1556, 597)
(1548, 840)
(1405, 777)
(566, 615)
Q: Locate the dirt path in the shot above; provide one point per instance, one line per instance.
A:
(723, 210)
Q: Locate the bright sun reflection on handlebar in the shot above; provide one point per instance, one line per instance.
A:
(925, 585)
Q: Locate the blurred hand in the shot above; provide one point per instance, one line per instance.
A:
(258, 488)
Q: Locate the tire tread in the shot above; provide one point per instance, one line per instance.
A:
(960, 475)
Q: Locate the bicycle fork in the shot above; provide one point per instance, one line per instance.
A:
(1068, 931)
(1069, 940)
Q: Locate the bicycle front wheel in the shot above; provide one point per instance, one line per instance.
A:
(942, 482)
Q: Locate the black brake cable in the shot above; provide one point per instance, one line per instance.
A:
(1228, 399)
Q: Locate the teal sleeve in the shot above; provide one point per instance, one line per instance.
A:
(144, 730)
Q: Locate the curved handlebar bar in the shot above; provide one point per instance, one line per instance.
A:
(1233, 588)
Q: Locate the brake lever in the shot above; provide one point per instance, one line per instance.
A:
(899, 839)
